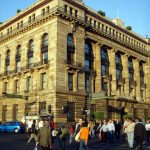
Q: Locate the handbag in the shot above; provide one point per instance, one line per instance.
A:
(77, 137)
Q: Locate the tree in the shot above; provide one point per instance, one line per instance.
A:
(129, 28)
(18, 10)
(101, 12)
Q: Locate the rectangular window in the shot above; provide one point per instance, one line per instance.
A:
(18, 26)
(71, 11)
(16, 86)
(33, 17)
(45, 58)
(21, 24)
(87, 83)
(29, 19)
(30, 62)
(18, 66)
(70, 111)
(43, 81)
(5, 87)
(76, 13)
(47, 9)
(70, 81)
(15, 112)
(43, 11)
(65, 8)
(28, 84)
(4, 113)
(42, 108)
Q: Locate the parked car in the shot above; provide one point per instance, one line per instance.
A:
(13, 126)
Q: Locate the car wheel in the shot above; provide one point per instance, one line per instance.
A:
(16, 130)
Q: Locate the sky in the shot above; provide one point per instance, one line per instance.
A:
(134, 13)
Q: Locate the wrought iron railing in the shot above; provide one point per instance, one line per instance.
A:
(25, 68)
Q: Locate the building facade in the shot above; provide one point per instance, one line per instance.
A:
(61, 57)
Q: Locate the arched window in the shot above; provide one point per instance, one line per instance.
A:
(18, 59)
(70, 49)
(30, 53)
(44, 49)
(7, 61)
(31, 45)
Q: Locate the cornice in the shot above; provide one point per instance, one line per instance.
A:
(25, 14)
(105, 20)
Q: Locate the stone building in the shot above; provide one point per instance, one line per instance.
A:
(61, 57)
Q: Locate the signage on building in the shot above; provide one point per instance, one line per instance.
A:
(15, 96)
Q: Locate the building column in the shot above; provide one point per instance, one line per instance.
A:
(146, 68)
(112, 70)
(137, 78)
(97, 66)
(125, 74)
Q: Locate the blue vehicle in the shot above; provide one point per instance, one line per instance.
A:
(13, 126)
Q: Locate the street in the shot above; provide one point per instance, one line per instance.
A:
(18, 142)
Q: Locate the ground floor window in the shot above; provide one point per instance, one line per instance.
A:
(15, 112)
(4, 113)
(71, 111)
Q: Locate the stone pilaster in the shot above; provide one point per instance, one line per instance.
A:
(137, 78)
(125, 74)
(146, 68)
(112, 70)
(97, 66)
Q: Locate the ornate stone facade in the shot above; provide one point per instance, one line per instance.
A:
(60, 57)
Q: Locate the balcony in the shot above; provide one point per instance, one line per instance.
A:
(72, 64)
(132, 82)
(20, 70)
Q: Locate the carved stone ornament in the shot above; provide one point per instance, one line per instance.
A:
(73, 26)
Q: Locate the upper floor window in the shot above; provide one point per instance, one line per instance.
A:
(45, 42)
(70, 81)
(16, 86)
(18, 54)
(43, 81)
(28, 84)
(31, 45)
(7, 59)
(70, 48)
(65, 8)
(5, 87)
(88, 55)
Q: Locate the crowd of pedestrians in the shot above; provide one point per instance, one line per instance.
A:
(134, 131)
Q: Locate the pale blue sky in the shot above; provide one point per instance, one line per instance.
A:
(134, 13)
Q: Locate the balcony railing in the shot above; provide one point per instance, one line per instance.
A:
(71, 63)
(20, 70)
(83, 21)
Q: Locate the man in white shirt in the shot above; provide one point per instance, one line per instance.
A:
(147, 126)
(29, 126)
(111, 130)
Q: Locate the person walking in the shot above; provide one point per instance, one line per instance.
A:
(63, 135)
(117, 128)
(77, 129)
(104, 131)
(147, 126)
(139, 134)
(111, 130)
(84, 134)
(130, 132)
(44, 136)
(33, 134)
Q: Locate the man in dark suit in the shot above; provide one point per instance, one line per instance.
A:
(139, 134)
(44, 137)
(117, 124)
